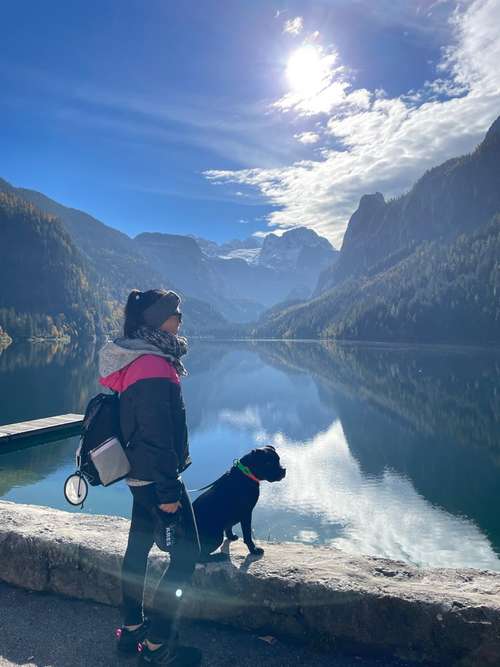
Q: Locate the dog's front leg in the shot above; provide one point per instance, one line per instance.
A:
(229, 533)
(246, 527)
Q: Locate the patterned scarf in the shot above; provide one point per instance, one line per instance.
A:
(172, 345)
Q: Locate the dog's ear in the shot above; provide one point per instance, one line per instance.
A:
(270, 447)
(248, 456)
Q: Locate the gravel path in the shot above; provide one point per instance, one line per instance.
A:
(50, 631)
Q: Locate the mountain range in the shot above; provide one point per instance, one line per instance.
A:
(220, 288)
(423, 267)
(239, 288)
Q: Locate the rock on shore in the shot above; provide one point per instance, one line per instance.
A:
(318, 595)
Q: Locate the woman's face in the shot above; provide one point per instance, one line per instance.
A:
(172, 324)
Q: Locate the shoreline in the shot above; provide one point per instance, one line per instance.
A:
(316, 595)
(396, 345)
(5, 340)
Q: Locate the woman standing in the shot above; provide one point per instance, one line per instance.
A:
(145, 367)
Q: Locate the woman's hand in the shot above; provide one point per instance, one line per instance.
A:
(170, 507)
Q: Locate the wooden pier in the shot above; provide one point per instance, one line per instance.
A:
(36, 431)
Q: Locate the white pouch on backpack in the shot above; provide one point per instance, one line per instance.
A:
(110, 461)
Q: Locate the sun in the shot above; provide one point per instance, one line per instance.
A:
(305, 71)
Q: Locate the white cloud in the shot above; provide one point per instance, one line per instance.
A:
(307, 137)
(262, 235)
(385, 143)
(294, 26)
(387, 517)
(247, 418)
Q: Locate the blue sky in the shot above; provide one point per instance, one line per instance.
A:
(188, 117)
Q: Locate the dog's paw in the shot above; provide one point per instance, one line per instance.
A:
(219, 557)
(257, 551)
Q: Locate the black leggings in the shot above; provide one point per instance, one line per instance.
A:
(165, 610)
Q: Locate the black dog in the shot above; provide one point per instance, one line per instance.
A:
(231, 500)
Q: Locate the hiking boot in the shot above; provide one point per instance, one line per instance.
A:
(130, 641)
(170, 656)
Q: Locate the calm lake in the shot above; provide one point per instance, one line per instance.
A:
(390, 451)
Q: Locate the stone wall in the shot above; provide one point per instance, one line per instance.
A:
(318, 595)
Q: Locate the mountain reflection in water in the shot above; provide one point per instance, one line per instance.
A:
(390, 451)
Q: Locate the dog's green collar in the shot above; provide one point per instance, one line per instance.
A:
(245, 470)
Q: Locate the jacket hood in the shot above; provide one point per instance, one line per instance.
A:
(121, 352)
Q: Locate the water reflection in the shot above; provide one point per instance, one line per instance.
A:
(384, 516)
(389, 451)
(43, 379)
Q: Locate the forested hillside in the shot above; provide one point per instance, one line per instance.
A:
(440, 293)
(110, 261)
(46, 289)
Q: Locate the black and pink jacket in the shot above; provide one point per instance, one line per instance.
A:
(152, 412)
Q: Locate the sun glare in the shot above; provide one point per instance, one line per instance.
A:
(305, 71)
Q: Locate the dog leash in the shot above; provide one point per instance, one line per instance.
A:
(236, 464)
(202, 488)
